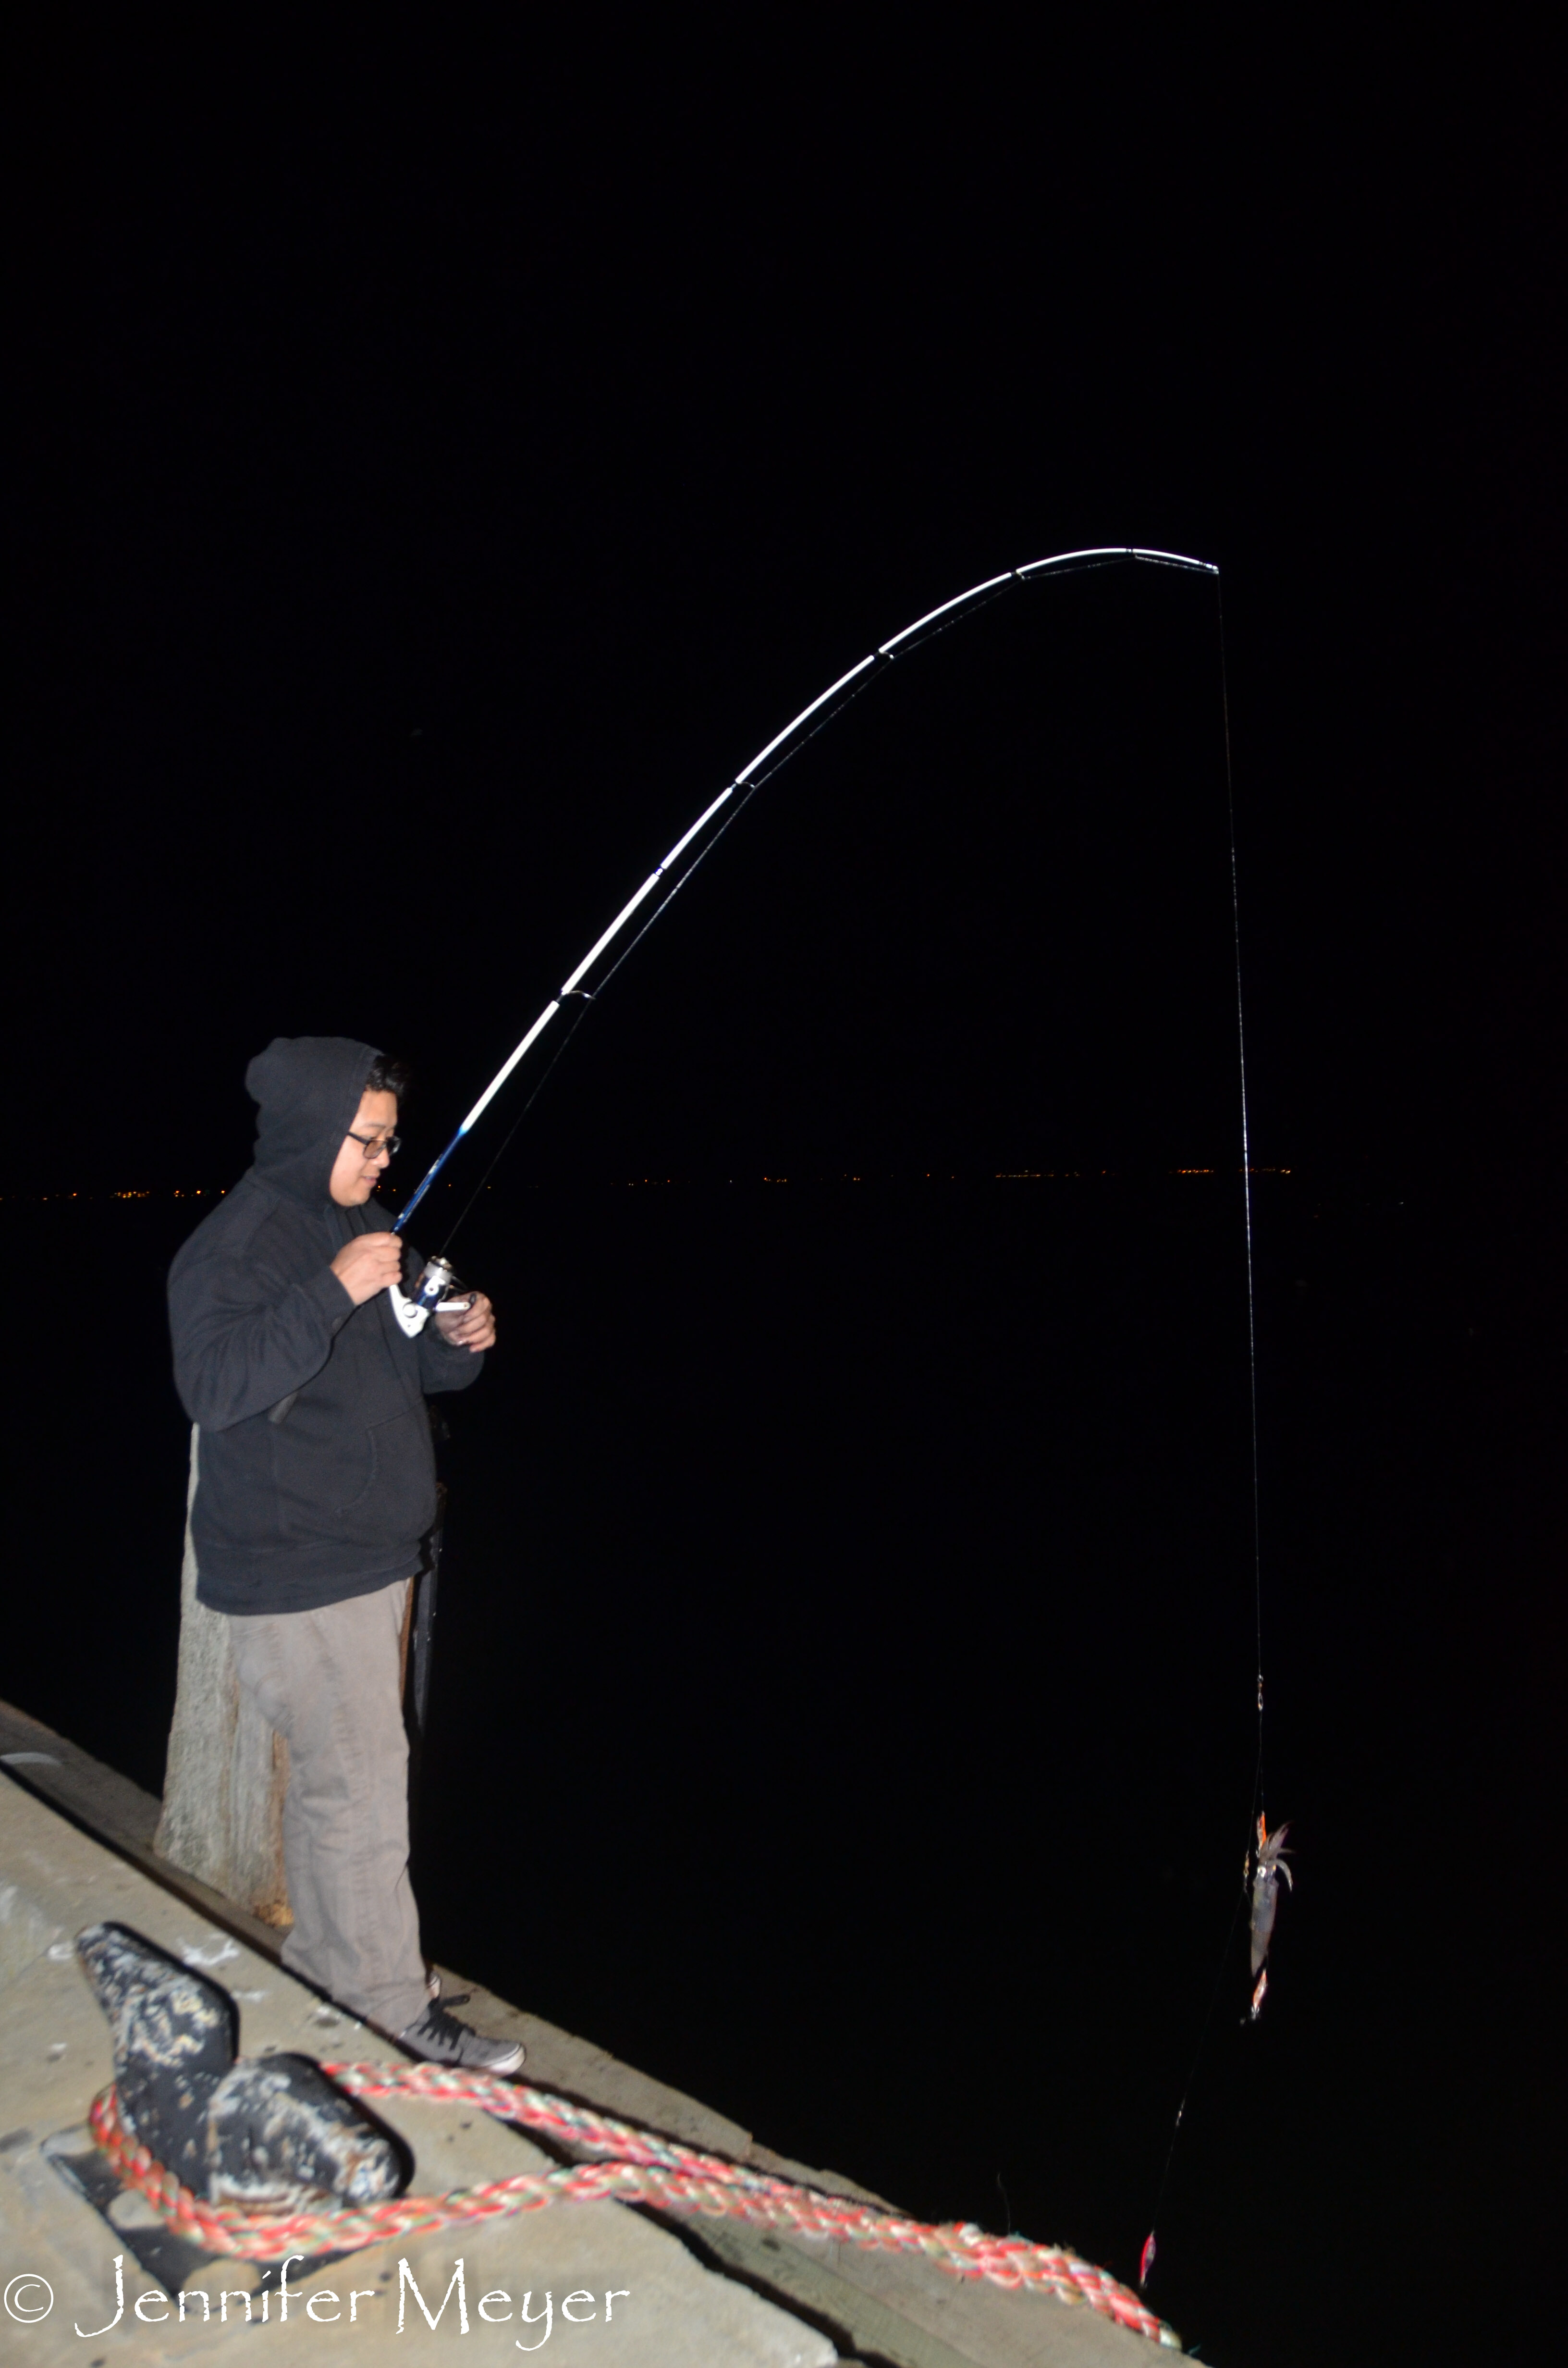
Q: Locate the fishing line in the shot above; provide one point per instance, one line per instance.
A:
(1258, 1801)
(1146, 2263)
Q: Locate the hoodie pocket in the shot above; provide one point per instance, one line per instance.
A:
(397, 1502)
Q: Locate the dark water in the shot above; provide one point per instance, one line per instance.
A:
(844, 1695)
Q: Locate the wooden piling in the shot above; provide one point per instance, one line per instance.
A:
(227, 1772)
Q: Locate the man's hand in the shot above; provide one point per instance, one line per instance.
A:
(367, 1264)
(473, 1328)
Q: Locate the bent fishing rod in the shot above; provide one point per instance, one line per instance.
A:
(696, 844)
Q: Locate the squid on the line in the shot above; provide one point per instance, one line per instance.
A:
(1266, 1862)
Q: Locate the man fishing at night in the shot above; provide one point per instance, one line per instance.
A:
(315, 1492)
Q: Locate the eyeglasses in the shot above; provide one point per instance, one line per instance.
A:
(371, 1144)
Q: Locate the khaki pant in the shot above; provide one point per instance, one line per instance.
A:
(330, 1682)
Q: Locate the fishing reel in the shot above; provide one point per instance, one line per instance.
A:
(436, 1289)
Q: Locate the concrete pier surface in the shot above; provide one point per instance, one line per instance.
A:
(622, 2286)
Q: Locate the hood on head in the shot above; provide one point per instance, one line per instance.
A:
(307, 1089)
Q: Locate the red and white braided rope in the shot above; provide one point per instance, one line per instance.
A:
(644, 2169)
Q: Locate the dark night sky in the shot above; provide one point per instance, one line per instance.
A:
(447, 470)
(436, 464)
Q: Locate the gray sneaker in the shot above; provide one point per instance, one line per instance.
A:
(439, 2038)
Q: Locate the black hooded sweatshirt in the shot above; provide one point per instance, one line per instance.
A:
(335, 1499)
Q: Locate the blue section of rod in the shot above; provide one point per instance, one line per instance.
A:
(399, 1223)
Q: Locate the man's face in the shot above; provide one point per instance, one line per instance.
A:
(357, 1170)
